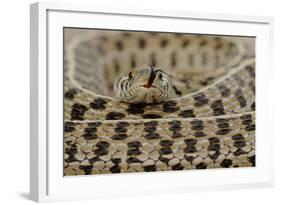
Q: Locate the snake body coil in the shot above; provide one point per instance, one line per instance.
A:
(205, 118)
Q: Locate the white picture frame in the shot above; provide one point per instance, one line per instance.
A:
(47, 182)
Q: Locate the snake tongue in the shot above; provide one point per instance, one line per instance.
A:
(148, 85)
(151, 79)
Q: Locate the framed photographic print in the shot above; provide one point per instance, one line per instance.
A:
(128, 101)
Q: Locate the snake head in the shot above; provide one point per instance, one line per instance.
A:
(145, 85)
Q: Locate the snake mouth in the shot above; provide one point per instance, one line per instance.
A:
(147, 85)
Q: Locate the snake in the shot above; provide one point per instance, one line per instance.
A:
(152, 101)
(146, 85)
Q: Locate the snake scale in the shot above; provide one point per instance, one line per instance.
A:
(210, 124)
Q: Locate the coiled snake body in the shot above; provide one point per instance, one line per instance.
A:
(209, 123)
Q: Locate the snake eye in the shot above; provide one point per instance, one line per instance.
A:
(160, 76)
(130, 75)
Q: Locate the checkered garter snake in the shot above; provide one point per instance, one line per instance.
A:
(207, 122)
